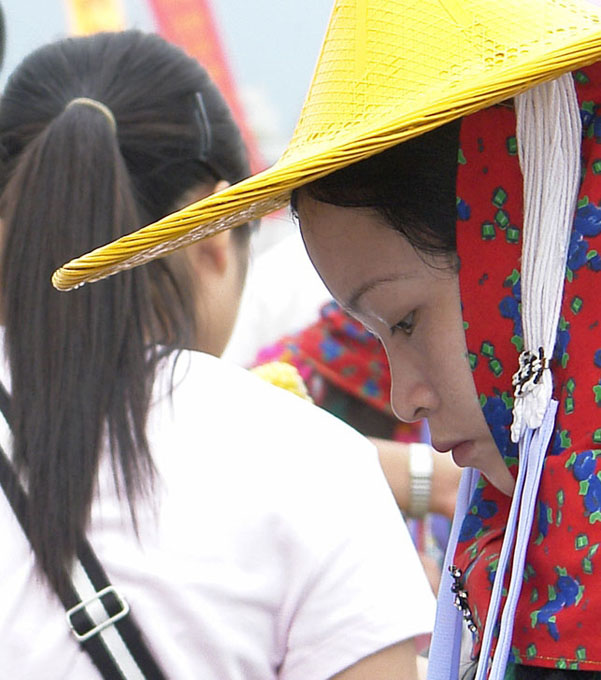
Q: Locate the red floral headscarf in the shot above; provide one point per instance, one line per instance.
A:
(558, 620)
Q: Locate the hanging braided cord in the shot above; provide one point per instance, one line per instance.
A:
(549, 137)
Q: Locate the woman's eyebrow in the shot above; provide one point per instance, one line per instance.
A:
(354, 302)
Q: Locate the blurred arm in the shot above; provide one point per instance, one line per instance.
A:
(397, 662)
(394, 459)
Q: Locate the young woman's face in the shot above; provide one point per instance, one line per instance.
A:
(411, 302)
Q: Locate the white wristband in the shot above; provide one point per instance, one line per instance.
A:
(421, 465)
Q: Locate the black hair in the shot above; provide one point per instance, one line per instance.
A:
(82, 364)
(411, 185)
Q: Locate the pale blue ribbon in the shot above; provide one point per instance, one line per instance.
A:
(445, 649)
(533, 449)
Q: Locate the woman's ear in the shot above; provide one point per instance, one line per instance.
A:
(220, 186)
(198, 192)
(210, 255)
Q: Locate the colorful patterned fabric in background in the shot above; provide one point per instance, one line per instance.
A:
(558, 621)
(338, 351)
(346, 372)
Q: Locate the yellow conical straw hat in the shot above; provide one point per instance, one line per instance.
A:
(388, 70)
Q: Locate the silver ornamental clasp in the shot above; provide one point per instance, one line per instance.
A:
(530, 371)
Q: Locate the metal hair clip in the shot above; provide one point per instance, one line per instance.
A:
(204, 129)
(205, 139)
(530, 371)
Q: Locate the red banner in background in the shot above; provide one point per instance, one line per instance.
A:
(190, 24)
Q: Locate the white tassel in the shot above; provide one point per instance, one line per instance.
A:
(549, 138)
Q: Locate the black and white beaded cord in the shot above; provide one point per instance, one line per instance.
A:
(461, 601)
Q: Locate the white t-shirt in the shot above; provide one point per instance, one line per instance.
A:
(274, 548)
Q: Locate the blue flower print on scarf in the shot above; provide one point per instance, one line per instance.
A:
(566, 592)
(510, 308)
(587, 223)
(498, 415)
(479, 510)
(583, 467)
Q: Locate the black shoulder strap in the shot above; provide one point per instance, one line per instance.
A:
(98, 614)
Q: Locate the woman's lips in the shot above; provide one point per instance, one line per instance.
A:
(462, 453)
(442, 447)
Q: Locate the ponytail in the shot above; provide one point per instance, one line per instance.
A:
(82, 364)
(81, 370)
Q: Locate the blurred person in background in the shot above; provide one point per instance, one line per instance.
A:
(226, 511)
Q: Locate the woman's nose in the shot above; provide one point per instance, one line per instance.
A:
(412, 395)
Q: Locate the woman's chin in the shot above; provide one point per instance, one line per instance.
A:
(500, 477)
(487, 459)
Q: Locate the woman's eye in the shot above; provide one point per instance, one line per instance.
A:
(405, 325)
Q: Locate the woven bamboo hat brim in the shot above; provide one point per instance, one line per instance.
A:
(389, 70)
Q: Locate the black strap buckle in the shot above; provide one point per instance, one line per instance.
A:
(108, 592)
